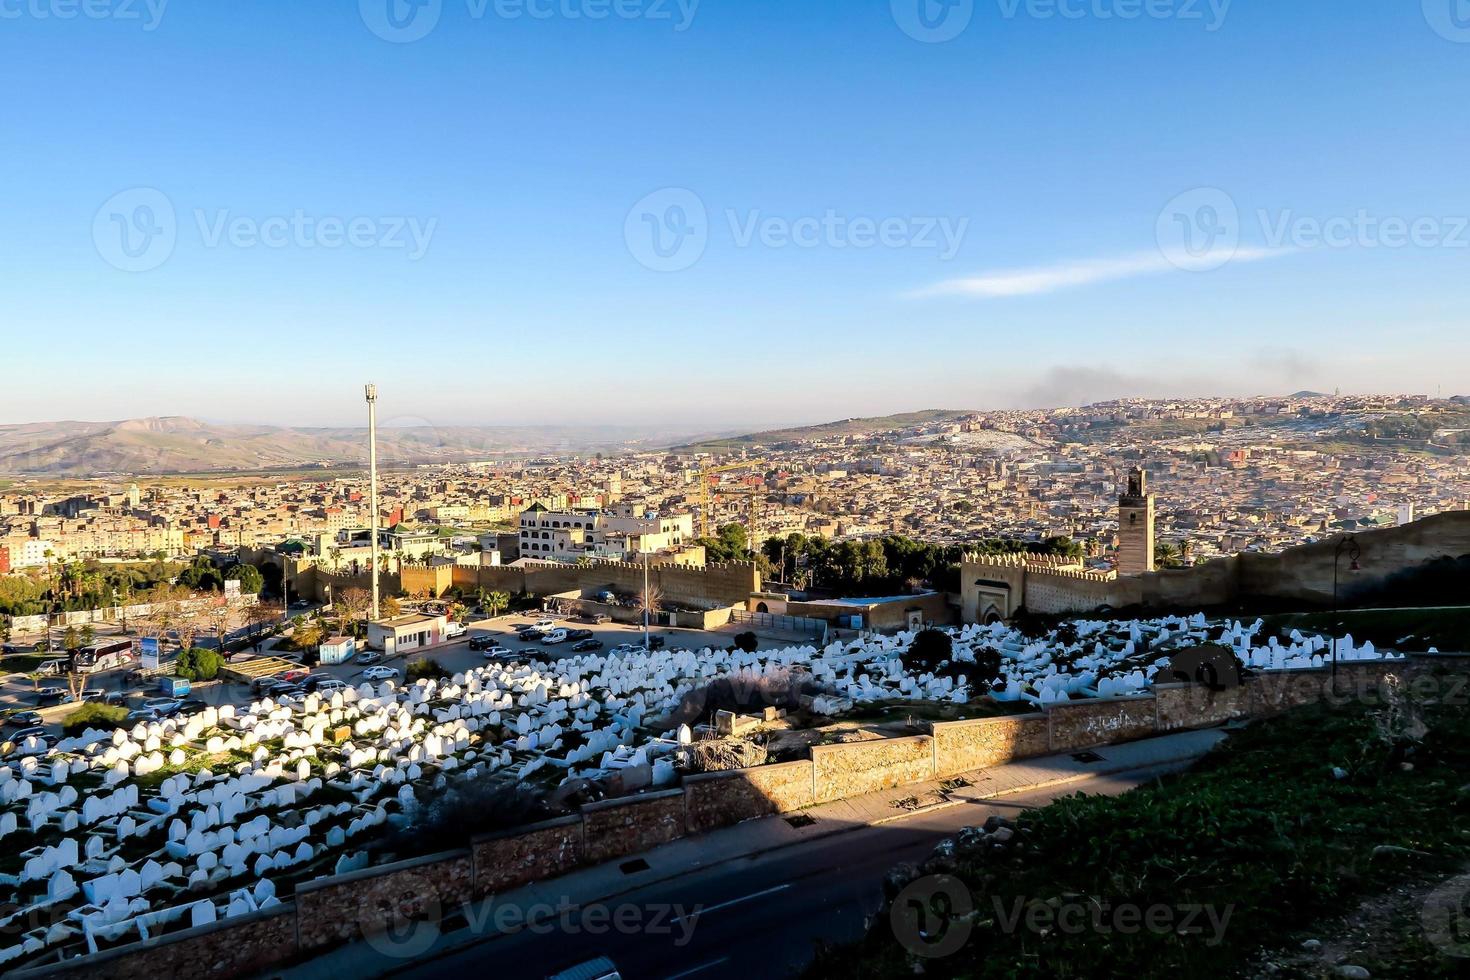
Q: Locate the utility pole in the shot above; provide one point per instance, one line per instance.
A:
(372, 403)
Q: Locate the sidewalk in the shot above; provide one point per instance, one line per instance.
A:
(756, 838)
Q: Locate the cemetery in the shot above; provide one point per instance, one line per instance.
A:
(111, 837)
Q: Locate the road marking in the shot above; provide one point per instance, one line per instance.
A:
(734, 901)
(697, 969)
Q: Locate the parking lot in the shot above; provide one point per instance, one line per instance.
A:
(18, 693)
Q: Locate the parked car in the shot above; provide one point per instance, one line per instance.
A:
(623, 649)
(141, 714)
(521, 627)
(24, 719)
(531, 635)
(166, 707)
(380, 674)
(48, 696)
(498, 653)
(191, 706)
(329, 686)
(481, 642)
(582, 646)
(21, 736)
(600, 619)
(102, 697)
(544, 624)
(369, 657)
(579, 634)
(52, 667)
(295, 676)
(600, 968)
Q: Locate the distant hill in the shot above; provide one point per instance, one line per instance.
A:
(1306, 394)
(828, 430)
(184, 445)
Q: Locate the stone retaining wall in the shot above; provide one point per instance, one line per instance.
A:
(964, 746)
(855, 768)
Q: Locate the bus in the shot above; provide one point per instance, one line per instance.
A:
(104, 655)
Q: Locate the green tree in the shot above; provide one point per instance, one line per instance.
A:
(199, 664)
(250, 578)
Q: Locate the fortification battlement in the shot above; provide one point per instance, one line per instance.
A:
(1024, 560)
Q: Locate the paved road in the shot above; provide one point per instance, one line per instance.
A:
(752, 917)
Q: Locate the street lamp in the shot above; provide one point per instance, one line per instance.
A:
(371, 391)
(1346, 545)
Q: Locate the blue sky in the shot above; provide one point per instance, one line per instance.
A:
(820, 154)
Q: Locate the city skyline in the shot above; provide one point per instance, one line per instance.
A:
(1021, 215)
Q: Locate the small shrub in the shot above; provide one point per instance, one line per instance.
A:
(746, 641)
(99, 716)
(929, 649)
(424, 667)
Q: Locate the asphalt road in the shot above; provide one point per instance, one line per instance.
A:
(753, 917)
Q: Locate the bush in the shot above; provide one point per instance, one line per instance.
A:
(929, 649)
(100, 716)
(424, 667)
(197, 664)
(747, 642)
(986, 669)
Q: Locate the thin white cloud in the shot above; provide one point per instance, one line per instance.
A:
(1038, 280)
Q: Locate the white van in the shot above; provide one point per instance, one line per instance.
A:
(558, 635)
(455, 630)
(329, 686)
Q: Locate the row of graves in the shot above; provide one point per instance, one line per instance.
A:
(115, 836)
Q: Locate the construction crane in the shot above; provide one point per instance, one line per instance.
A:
(702, 485)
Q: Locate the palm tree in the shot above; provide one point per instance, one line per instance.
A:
(1167, 556)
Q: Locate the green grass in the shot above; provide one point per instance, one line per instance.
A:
(1261, 828)
(1446, 629)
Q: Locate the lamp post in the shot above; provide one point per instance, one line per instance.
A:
(1346, 545)
(372, 403)
(645, 602)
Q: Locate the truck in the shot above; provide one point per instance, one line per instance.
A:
(173, 687)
